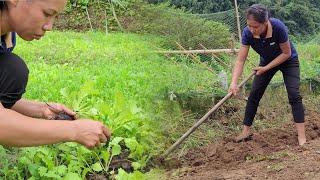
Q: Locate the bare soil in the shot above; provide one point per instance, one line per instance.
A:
(271, 154)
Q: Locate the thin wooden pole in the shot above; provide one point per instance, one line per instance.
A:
(200, 51)
(106, 18)
(233, 44)
(238, 19)
(195, 126)
(216, 57)
(89, 19)
(194, 58)
(183, 49)
(115, 15)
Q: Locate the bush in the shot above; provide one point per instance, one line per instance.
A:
(176, 25)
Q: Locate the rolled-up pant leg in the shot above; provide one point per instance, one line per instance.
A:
(259, 86)
(13, 79)
(291, 76)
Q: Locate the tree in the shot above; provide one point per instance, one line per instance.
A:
(302, 17)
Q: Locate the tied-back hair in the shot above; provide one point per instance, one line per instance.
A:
(258, 12)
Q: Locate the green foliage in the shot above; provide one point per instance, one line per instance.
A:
(200, 6)
(178, 26)
(122, 175)
(116, 79)
(302, 17)
(65, 160)
(102, 13)
(315, 39)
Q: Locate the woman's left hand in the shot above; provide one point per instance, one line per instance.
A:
(51, 111)
(260, 70)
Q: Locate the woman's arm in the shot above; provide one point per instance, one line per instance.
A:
(19, 130)
(39, 109)
(238, 68)
(285, 55)
(29, 108)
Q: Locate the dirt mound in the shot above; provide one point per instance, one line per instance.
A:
(225, 155)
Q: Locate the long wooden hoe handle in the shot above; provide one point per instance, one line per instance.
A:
(195, 126)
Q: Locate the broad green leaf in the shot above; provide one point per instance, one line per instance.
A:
(45, 151)
(116, 150)
(71, 144)
(116, 140)
(136, 165)
(97, 167)
(136, 175)
(122, 175)
(105, 155)
(61, 170)
(85, 172)
(52, 174)
(83, 150)
(64, 147)
(131, 143)
(72, 176)
(134, 108)
(33, 169)
(42, 171)
(24, 160)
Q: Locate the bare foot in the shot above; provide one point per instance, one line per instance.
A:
(301, 133)
(302, 141)
(243, 137)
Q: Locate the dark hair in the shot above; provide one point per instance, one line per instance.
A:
(2, 4)
(259, 12)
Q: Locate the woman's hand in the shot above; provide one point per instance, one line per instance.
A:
(234, 89)
(260, 70)
(90, 133)
(53, 110)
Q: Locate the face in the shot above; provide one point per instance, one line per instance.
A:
(255, 27)
(30, 19)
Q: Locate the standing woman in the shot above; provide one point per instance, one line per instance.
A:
(22, 121)
(269, 38)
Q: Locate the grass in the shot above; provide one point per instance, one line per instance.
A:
(148, 100)
(117, 62)
(116, 79)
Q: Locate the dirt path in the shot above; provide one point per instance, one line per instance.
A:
(272, 154)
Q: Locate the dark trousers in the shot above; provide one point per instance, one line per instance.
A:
(13, 78)
(291, 75)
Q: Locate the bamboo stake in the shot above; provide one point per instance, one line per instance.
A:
(115, 15)
(194, 58)
(195, 126)
(182, 48)
(238, 19)
(89, 19)
(106, 18)
(200, 51)
(216, 57)
(233, 44)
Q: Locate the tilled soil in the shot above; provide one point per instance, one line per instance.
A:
(271, 154)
